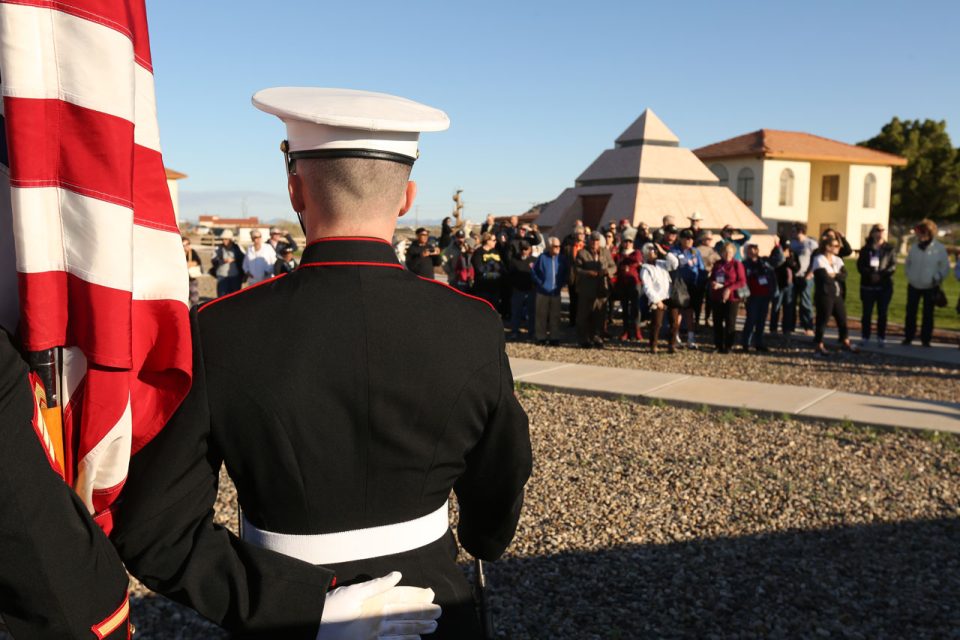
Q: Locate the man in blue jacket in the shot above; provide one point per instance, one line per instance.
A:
(549, 275)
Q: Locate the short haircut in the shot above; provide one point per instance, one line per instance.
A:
(799, 227)
(553, 239)
(486, 237)
(344, 185)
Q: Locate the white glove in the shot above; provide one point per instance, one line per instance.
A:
(378, 610)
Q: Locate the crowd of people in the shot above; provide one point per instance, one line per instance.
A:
(668, 282)
(233, 266)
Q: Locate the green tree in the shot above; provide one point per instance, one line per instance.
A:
(929, 186)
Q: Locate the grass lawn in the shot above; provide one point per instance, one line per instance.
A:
(945, 318)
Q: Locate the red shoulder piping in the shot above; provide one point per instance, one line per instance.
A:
(455, 290)
(236, 293)
(343, 263)
(353, 238)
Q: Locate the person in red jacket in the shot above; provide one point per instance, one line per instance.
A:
(726, 278)
(627, 283)
(762, 282)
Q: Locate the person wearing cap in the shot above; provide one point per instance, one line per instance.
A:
(285, 263)
(726, 237)
(667, 221)
(344, 454)
(259, 259)
(227, 264)
(423, 255)
(669, 235)
(694, 274)
(279, 240)
(456, 263)
(762, 283)
(594, 268)
(59, 575)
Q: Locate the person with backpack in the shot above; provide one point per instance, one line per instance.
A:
(457, 265)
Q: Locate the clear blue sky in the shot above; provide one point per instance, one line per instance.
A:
(536, 90)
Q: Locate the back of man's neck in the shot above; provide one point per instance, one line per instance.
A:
(383, 230)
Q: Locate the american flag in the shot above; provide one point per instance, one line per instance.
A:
(89, 244)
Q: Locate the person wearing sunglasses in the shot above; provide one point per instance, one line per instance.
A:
(827, 272)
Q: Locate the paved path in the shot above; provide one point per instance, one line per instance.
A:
(695, 391)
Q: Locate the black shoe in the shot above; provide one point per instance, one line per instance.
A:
(762, 349)
(906, 342)
(586, 345)
(541, 343)
(926, 344)
(554, 343)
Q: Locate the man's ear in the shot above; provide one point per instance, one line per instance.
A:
(408, 197)
(295, 189)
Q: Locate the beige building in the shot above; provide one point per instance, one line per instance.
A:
(172, 178)
(788, 176)
(646, 176)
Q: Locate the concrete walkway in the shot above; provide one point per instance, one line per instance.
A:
(696, 391)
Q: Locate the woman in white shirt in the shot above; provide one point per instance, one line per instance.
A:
(655, 281)
(828, 272)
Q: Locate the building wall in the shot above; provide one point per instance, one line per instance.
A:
(733, 167)
(857, 215)
(175, 197)
(772, 212)
(832, 213)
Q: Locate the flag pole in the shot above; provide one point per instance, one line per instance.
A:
(486, 616)
(46, 364)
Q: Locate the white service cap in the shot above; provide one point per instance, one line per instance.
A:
(346, 123)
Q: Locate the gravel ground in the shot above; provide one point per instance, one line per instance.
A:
(644, 521)
(787, 362)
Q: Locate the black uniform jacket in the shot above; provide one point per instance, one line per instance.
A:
(348, 394)
(59, 575)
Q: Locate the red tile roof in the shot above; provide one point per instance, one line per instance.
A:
(795, 145)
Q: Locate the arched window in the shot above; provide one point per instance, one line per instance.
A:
(745, 186)
(870, 191)
(721, 172)
(786, 188)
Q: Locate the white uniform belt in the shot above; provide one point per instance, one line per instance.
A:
(358, 544)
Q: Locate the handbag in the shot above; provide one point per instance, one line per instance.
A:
(679, 292)
(939, 297)
(194, 272)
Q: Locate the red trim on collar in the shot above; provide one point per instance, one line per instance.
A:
(236, 293)
(455, 290)
(348, 238)
(343, 263)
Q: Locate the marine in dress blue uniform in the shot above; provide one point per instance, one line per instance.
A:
(345, 450)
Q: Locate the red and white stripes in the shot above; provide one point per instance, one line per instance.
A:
(100, 269)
